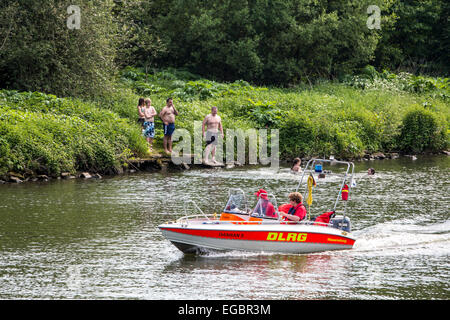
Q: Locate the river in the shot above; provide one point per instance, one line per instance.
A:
(98, 239)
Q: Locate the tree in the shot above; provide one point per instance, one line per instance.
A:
(418, 40)
(277, 41)
(40, 52)
(138, 43)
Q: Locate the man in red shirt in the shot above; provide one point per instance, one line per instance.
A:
(264, 207)
(298, 211)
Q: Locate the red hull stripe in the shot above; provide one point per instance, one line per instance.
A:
(267, 236)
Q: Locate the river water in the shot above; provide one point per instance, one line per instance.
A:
(98, 239)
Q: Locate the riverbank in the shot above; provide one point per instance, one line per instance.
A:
(45, 135)
(153, 163)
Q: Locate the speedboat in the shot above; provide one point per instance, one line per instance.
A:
(238, 228)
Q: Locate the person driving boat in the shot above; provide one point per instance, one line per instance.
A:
(264, 207)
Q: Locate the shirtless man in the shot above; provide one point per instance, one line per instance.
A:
(167, 116)
(149, 124)
(213, 124)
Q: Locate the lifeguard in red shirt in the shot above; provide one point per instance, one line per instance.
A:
(264, 207)
(297, 211)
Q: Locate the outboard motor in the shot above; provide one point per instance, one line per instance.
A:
(340, 223)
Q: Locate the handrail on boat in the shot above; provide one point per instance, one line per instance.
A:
(272, 222)
(185, 220)
(350, 168)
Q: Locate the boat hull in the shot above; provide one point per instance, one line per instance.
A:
(282, 238)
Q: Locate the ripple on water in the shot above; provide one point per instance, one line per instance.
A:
(99, 239)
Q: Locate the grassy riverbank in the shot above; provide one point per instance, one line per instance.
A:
(370, 112)
(361, 114)
(44, 134)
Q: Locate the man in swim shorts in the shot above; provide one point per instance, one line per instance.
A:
(213, 124)
(167, 116)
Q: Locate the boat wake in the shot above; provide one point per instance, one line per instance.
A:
(404, 237)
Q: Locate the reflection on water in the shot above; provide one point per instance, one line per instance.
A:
(98, 239)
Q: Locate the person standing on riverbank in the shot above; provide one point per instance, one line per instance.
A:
(140, 109)
(213, 124)
(149, 122)
(167, 116)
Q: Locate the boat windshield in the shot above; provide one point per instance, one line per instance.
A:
(236, 203)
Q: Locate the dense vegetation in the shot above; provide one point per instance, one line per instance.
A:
(40, 53)
(44, 134)
(366, 113)
(290, 41)
(370, 112)
(312, 69)
(276, 42)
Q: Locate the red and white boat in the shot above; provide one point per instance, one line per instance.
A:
(238, 228)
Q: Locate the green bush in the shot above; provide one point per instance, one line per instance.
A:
(47, 134)
(5, 155)
(422, 130)
(296, 136)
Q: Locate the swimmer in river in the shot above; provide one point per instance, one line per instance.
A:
(296, 165)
